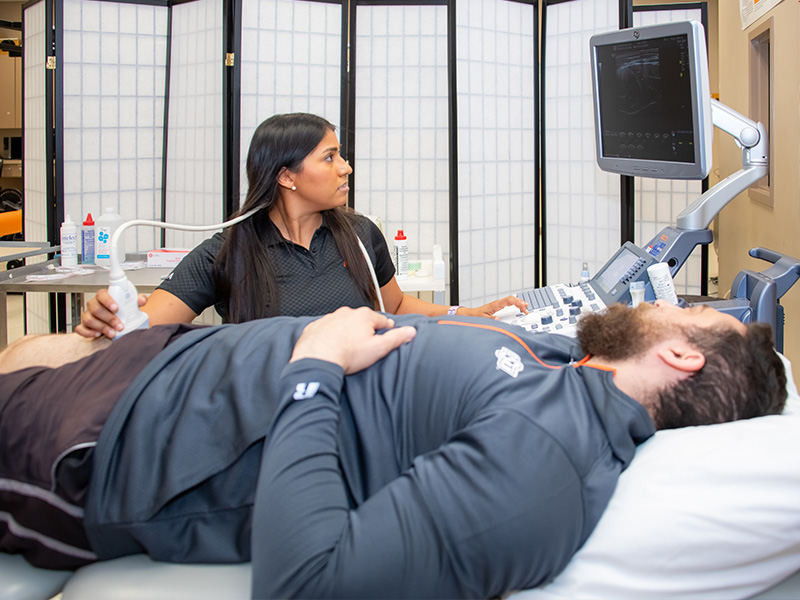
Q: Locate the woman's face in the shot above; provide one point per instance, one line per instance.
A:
(322, 179)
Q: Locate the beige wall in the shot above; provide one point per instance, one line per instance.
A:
(745, 223)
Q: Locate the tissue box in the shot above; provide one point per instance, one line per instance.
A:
(165, 257)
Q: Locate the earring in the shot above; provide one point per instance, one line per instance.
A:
(294, 188)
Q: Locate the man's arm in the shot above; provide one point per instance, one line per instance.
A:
(479, 516)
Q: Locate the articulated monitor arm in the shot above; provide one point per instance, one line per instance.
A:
(752, 138)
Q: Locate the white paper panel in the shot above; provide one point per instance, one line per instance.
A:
(401, 147)
(496, 138)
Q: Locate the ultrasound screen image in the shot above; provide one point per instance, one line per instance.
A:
(645, 99)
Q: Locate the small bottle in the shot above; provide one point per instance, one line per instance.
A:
(661, 280)
(585, 272)
(637, 293)
(87, 241)
(69, 244)
(107, 224)
(401, 254)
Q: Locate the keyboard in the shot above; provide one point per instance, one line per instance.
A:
(554, 309)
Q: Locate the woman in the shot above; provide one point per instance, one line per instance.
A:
(298, 255)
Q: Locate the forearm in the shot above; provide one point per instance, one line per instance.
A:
(397, 302)
(301, 502)
(413, 305)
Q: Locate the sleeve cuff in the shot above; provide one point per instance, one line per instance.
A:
(308, 377)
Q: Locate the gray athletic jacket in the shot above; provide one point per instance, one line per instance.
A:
(473, 461)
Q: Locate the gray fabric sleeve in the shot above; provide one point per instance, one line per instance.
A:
(496, 508)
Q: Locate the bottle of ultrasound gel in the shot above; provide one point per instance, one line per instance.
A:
(105, 226)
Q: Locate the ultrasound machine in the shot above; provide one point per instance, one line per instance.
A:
(654, 117)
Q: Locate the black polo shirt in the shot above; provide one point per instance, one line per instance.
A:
(311, 282)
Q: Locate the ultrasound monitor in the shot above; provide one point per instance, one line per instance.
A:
(652, 103)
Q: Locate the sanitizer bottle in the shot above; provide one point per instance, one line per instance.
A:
(401, 254)
(69, 244)
(107, 224)
(87, 241)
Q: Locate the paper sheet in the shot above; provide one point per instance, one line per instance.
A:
(751, 11)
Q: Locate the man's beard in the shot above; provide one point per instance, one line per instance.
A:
(618, 333)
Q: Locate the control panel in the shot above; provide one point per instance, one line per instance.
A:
(558, 308)
(554, 309)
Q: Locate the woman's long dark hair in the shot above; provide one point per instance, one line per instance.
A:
(243, 271)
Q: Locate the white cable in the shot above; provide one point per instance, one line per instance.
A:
(116, 269)
(372, 273)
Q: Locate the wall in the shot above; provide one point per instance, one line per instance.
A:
(744, 223)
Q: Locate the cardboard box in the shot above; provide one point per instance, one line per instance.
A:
(165, 257)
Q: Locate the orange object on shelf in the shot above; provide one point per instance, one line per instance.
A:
(10, 222)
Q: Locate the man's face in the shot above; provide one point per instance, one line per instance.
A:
(621, 332)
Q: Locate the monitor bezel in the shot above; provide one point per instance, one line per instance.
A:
(702, 123)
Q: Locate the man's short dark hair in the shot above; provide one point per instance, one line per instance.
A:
(743, 377)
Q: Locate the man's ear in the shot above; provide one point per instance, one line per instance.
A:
(286, 178)
(681, 355)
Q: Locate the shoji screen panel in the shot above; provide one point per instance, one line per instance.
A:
(291, 62)
(496, 143)
(194, 189)
(401, 123)
(582, 202)
(659, 201)
(114, 57)
(35, 160)
(35, 101)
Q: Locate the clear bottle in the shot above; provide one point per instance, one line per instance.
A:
(401, 254)
(69, 244)
(106, 225)
(87, 241)
(637, 289)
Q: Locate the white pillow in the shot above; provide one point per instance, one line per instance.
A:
(702, 512)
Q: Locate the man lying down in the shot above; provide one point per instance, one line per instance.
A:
(356, 456)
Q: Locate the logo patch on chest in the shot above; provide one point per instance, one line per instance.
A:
(508, 361)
